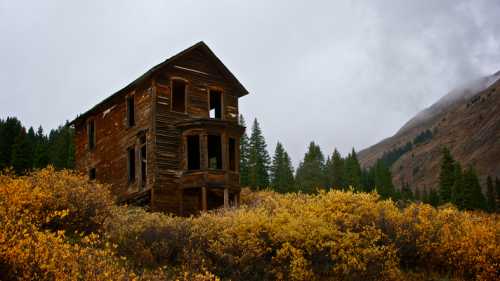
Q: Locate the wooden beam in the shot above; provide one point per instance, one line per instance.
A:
(226, 198)
(204, 207)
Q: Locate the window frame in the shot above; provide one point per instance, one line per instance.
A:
(222, 111)
(131, 168)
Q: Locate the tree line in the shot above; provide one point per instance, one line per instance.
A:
(258, 170)
(462, 187)
(24, 149)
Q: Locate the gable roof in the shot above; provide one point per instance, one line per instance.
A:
(200, 45)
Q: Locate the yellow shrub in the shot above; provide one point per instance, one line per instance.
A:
(55, 225)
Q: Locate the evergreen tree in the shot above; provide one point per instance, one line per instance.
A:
(406, 193)
(353, 171)
(434, 198)
(11, 128)
(259, 160)
(61, 147)
(40, 157)
(446, 176)
(334, 169)
(418, 195)
(244, 155)
(383, 180)
(21, 154)
(310, 173)
(490, 195)
(282, 171)
(473, 197)
(458, 187)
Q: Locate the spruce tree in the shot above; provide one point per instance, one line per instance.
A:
(406, 193)
(40, 157)
(383, 180)
(353, 171)
(259, 160)
(457, 196)
(491, 195)
(434, 197)
(473, 197)
(11, 128)
(334, 169)
(281, 171)
(446, 176)
(310, 173)
(21, 154)
(244, 155)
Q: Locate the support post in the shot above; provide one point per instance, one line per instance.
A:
(226, 198)
(204, 199)
(181, 203)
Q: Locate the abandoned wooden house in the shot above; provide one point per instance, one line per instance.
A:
(170, 139)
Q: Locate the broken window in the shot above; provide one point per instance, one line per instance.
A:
(91, 133)
(144, 161)
(214, 146)
(92, 174)
(178, 96)
(232, 154)
(131, 164)
(193, 152)
(215, 104)
(130, 111)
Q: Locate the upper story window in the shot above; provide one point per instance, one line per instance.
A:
(91, 133)
(215, 104)
(130, 111)
(178, 96)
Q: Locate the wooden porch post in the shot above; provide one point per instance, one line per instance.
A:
(226, 198)
(204, 199)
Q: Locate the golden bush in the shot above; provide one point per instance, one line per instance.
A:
(56, 225)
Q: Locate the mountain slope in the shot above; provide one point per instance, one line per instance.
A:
(466, 120)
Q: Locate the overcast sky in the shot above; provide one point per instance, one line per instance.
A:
(343, 73)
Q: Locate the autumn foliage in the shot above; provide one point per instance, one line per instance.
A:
(56, 225)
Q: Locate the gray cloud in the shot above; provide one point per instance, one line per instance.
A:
(343, 73)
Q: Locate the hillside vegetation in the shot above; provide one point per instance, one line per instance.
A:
(56, 225)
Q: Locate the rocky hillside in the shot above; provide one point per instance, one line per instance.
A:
(466, 120)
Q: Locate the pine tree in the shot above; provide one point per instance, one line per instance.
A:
(383, 180)
(244, 155)
(310, 173)
(282, 171)
(11, 128)
(353, 171)
(40, 157)
(446, 176)
(433, 197)
(21, 153)
(457, 196)
(259, 160)
(61, 147)
(406, 193)
(490, 195)
(473, 197)
(334, 169)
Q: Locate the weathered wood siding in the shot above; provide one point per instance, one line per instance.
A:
(113, 138)
(201, 75)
